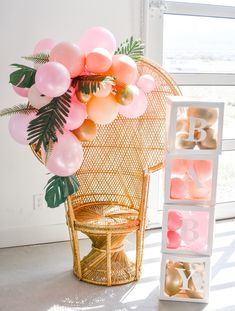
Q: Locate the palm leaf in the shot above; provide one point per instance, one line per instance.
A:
(23, 77)
(90, 84)
(59, 188)
(49, 120)
(40, 58)
(21, 108)
(131, 47)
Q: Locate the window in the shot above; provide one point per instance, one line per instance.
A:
(194, 41)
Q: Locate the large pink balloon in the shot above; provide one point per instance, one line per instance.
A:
(175, 220)
(66, 156)
(52, 79)
(18, 125)
(44, 45)
(137, 107)
(77, 115)
(22, 91)
(97, 37)
(70, 56)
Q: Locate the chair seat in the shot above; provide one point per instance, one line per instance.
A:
(105, 218)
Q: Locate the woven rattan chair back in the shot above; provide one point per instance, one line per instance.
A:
(112, 169)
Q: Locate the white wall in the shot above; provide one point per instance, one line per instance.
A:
(22, 24)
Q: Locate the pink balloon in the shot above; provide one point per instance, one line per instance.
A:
(18, 125)
(97, 37)
(179, 167)
(137, 107)
(175, 220)
(146, 83)
(69, 55)
(104, 90)
(203, 169)
(66, 156)
(22, 91)
(52, 79)
(173, 239)
(77, 115)
(44, 45)
(98, 60)
(199, 191)
(37, 99)
(177, 189)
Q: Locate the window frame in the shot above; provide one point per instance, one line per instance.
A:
(152, 33)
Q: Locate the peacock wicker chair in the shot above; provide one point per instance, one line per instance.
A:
(114, 178)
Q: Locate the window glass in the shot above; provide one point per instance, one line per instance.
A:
(195, 44)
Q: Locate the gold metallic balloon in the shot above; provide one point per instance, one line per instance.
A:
(181, 143)
(87, 131)
(173, 281)
(82, 97)
(182, 124)
(125, 95)
(210, 141)
(208, 114)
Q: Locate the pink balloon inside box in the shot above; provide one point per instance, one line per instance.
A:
(190, 179)
(187, 229)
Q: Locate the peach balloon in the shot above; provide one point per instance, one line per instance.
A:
(177, 189)
(137, 107)
(173, 239)
(37, 99)
(69, 55)
(98, 60)
(179, 167)
(102, 110)
(124, 69)
(146, 83)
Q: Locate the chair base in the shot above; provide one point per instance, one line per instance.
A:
(107, 265)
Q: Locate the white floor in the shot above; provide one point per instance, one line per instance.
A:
(39, 278)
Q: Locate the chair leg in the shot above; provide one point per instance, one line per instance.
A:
(108, 254)
(76, 253)
(140, 231)
(73, 240)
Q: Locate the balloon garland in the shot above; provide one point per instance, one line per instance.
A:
(70, 90)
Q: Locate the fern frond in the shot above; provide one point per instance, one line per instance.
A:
(131, 47)
(21, 108)
(90, 84)
(40, 58)
(49, 119)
